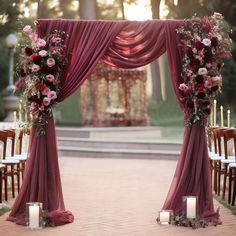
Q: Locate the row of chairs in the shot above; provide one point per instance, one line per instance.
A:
(13, 156)
(222, 154)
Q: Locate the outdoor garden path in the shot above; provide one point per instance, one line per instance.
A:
(117, 197)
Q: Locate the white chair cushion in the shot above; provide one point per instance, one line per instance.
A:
(10, 161)
(232, 165)
(17, 157)
(2, 166)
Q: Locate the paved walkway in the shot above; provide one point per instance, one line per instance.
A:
(117, 197)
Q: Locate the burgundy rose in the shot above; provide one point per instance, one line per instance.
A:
(206, 102)
(207, 110)
(208, 55)
(190, 104)
(197, 62)
(28, 51)
(215, 88)
(201, 95)
(48, 83)
(199, 45)
(200, 87)
(214, 42)
(22, 72)
(189, 52)
(36, 58)
(199, 79)
(40, 87)
(45, 69)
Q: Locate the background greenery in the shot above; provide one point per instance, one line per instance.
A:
(16, 13)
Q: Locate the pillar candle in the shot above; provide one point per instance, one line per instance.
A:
(212, 117)
(228, 118)
(34, 216)
(221, 116)
(191, 207)
(14, 113)
(214, 113)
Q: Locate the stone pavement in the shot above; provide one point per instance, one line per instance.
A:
(117, 197)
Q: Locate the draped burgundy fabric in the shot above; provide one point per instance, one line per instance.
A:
(123, 44)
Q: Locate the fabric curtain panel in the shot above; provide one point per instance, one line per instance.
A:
(122, 44)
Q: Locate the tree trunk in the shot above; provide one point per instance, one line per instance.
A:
(122, 9)
(155, 71)
(87, 9)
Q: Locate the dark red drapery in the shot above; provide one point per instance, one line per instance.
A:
(123, 44)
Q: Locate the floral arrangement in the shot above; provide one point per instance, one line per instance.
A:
(205, 43)
(40, 69)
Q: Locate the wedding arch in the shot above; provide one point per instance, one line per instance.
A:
(122, 44)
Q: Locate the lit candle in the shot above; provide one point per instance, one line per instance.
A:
(14, 113)
(164, 217)
(211, 116)
(34, 216)
(214, 113)
(228, 118)
(222, 116)
(191, 207)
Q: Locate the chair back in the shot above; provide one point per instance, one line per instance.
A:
(3, 143)
(228, 135)
(11, 135)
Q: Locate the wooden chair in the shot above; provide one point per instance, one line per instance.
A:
(214, 155)
(19, 155)
(232, 176)
(11, 166)
(1, 180)
(227, 135)
(225, 158)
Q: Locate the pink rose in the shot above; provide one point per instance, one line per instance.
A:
(41, 43)
(202, 71)
(50, 62)
(50, 78)
(216, 80)
(33, 37)
(52, 95)
(208, 84)
(46, 101)
(206, 42)
(183, 87)
(35, 68)
(43, 53)
(217, 15)
(46, 91)
(27, 29)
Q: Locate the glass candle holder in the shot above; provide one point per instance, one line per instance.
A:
(165, 217)
(34, 216)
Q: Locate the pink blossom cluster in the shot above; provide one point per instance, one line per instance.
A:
(205, 42)
(40, 70)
